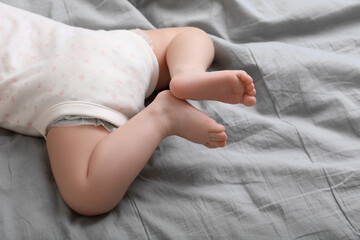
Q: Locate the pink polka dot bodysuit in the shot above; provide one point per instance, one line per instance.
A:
(49, 70)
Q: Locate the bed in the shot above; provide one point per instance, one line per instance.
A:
(291, 167)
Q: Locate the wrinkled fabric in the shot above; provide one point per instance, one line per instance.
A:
(291, 168)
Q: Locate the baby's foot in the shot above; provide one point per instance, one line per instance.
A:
(184, 120)
(248, 92)
(233, 87)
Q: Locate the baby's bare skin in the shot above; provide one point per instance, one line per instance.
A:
(224, 86)
(186, 121)
(182, 119)
(94, 168)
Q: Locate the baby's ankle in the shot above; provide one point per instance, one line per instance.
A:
(161, 110)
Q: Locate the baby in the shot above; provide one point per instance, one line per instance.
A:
(84, 91)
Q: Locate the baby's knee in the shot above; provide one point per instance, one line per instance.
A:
(196, 31)
(88, 208)
(87, 203)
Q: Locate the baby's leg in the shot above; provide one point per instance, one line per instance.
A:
(233, 87)
(188, 55)
(188, 59)
(93, 169)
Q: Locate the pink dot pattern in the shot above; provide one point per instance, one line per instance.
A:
(44, 63)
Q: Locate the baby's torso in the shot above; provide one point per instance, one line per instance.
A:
(49, 70)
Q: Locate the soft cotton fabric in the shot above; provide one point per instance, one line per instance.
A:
(291, 167)
(49, 70)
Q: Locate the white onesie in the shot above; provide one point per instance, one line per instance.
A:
(49, 70)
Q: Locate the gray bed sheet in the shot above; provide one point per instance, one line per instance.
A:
(291, 169)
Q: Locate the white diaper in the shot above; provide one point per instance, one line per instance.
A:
(50, 70)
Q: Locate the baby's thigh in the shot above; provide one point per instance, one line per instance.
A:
(162, 38)
(70, 149)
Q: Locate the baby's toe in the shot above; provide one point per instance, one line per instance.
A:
(252, 92)
(245, 78)
(249, 100)
(250, 87)
(214, 144)
(218, 137)
(216, 128)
